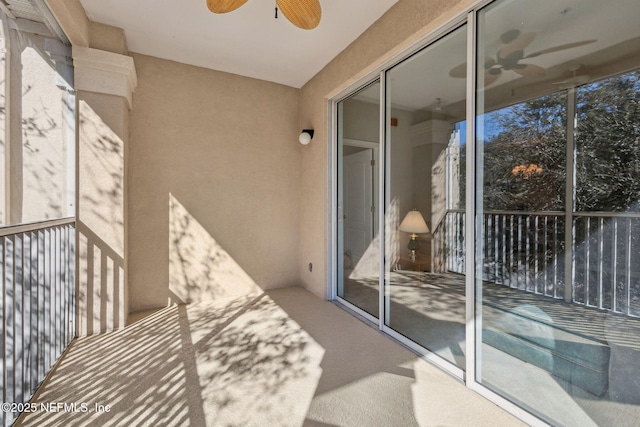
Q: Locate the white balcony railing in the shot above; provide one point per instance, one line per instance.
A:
(527, 251)
(37, 263)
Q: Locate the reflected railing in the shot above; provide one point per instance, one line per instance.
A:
(526, 251)
(37, 263)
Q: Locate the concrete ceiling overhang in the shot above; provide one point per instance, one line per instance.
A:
(249, 41)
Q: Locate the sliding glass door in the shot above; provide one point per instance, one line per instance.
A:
(358, 188)
(557, 215)
(424, 207)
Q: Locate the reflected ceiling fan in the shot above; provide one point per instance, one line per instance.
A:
(508, 57)
(303, 14)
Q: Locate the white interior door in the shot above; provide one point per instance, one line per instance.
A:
(359, 207)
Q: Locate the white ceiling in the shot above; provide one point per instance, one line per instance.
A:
(248, 41)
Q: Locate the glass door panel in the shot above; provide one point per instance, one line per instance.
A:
(424, 211)
(557, 261)
(358, 187)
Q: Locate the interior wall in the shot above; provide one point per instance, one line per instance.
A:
(213, 184)
(401, 183)
(361, 120)
(404, 24)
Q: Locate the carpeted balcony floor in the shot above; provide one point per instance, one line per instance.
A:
(282, 358)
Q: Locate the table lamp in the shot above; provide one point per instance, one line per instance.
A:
(413, 223)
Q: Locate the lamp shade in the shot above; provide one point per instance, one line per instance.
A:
(414, 223)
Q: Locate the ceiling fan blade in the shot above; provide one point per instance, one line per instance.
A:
(460, 71)
(561, 47)
(521, 42)
(303, 14)
(490, 78)
(530, 70)
(224, 6)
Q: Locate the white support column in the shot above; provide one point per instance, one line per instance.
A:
(570, 197)
(104, 83)
(5, 189)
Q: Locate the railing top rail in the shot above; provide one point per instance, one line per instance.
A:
(559, 213)
(33, 226)
(532, 213)
(609, 214)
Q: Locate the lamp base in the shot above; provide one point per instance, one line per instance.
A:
(413, 246)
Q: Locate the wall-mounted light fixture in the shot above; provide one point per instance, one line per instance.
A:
(306, 136)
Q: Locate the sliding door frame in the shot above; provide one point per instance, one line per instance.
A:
(472, 314)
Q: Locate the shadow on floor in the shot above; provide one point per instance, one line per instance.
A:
(283, 358)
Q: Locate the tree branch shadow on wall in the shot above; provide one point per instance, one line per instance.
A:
(102, 295)
(199, 268)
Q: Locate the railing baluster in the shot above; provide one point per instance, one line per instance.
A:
(628, 290)
(503, 233)
(448, 242)
(26, 307)
(10, 321)
(72, 281)
(41, 302)
(65, 283)
(18, 318)
(519, 252)
(489, 226)
(455, 246)
(461, 266)
(536, 282)
(601, 264)
(34, 309)
(496, 236)
(555, 257)
(545, 246)
(511, 249)
(3, 331)
(460, 249)
(58, 293)
(614, 267)
(527, 253)
(587, 261)
(47, 298)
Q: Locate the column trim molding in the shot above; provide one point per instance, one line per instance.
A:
(104, 72)
(437, 132)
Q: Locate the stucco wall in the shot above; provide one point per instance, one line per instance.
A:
(100, 223)
(404, 24)
(42, 143)
(213, 184)
(214, 156)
